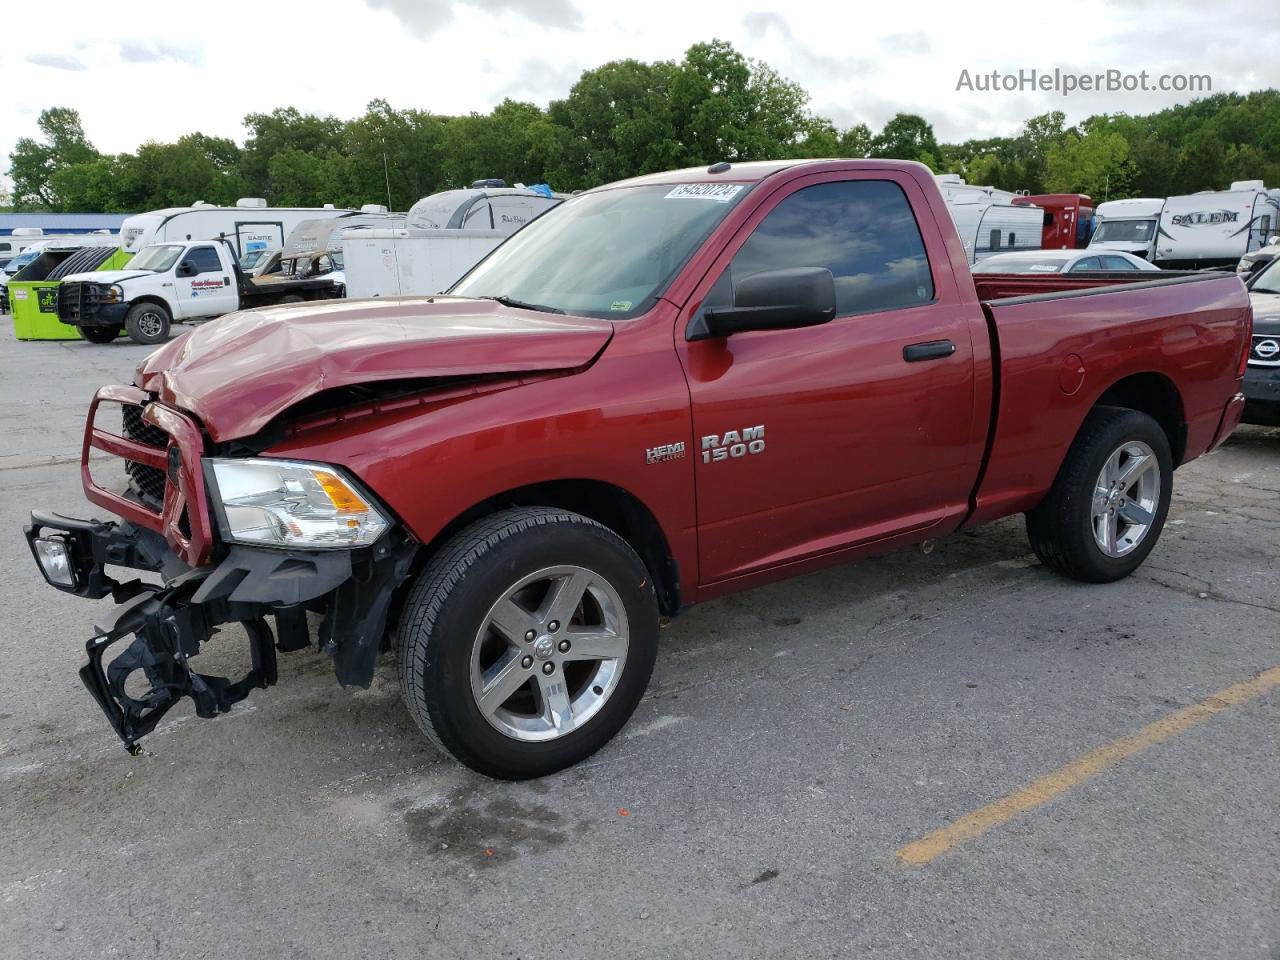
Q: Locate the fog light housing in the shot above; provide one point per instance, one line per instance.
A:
(54, 556)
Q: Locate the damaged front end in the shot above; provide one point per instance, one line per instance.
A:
(307, 552)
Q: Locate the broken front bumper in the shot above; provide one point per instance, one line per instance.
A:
(169, 622)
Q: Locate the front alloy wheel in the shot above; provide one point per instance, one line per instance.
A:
(527, 641)
(549, 654)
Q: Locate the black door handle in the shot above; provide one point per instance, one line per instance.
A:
(931, 350)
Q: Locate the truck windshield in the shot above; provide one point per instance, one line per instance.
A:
(1268, 279)
(157, 258)
(1126, 231)
(606, 254)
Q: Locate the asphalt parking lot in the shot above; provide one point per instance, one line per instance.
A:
(778, 793)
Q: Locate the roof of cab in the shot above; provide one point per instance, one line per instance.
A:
(757, 170)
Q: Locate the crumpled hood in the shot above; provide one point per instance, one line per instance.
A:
(105, 276)
(238, 372)
(1266, 312)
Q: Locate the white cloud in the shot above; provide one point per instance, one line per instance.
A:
(860, 63)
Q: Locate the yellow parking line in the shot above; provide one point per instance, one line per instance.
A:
(1081, 769)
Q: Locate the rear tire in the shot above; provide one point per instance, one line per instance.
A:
(494, 670)
(99, 334)
(1107, 507)
(147, 323)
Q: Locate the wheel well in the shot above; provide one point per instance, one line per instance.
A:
(149, 298)
(1155, 395)
(605, 503)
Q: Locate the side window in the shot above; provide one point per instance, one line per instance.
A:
(863, 231)
(479, 217)
(1088, 263)
(205, 259)
(1116, 263)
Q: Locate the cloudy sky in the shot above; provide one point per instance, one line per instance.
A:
(151, 70)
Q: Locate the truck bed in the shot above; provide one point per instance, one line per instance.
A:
(1059, 343)
(1002, 286)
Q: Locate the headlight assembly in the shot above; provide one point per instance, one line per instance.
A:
(287, 503)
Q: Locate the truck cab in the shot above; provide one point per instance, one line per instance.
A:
(1129, 226)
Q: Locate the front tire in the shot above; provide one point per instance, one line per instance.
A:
(1108, 505)
(147, 323)
(99, 334)
(527, 642)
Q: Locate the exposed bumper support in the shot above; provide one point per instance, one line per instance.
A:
(168, 624)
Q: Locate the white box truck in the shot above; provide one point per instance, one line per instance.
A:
(987, 219)
(445, 235)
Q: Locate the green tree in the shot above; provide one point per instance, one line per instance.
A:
(280, 130)
(33, 163)
(906, 137)
(1096, 163)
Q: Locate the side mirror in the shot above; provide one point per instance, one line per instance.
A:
(186, 269)
(1273, 240)
(773, 300)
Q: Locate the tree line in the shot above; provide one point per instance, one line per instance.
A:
(627, 118)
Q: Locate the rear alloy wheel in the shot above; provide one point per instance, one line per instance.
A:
(528, 641)
(99, 334)
(147, 323)
(1108, 505)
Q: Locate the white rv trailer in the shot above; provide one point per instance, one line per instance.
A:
(34, 243)
(249, 225)
(1129, 226)
(17, 241)
(445, 235)
(1216, 228)
(987, 219)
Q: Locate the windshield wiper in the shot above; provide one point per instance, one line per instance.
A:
(521, 305)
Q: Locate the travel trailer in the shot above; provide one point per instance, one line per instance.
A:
(1128, 226)
(988, 220)
(249, 225)
(18, 241)
(1216, 229)
(445, 235)
(1068, 219)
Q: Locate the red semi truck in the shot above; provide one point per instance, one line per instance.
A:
(664, 390)
(1068, 219)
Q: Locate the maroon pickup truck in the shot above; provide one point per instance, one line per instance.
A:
(660, 392)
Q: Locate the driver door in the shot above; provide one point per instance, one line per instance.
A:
(203, 286)
(812, 440)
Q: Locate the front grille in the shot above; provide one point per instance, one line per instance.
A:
(1264, 351)
(148, 482)
(71, 301)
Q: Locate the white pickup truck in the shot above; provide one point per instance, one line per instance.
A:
(172, 282)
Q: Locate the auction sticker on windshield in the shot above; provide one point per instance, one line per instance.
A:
(719, 192)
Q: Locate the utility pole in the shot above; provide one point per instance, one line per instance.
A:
(387, 173)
